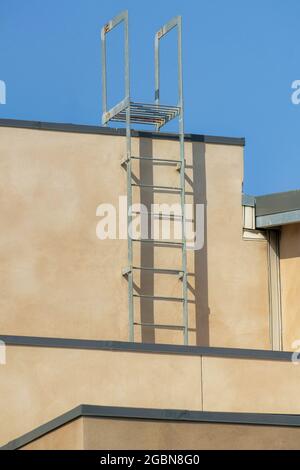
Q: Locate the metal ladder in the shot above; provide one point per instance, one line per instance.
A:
(155, 114)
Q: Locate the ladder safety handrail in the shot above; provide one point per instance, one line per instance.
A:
(109, 26)
(165, 29)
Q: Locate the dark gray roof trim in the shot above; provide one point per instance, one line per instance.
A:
(274, 210)
(115, 412)
(275, 220)
(85, 129)
(277, 203)
(36, 341)
(248, 200)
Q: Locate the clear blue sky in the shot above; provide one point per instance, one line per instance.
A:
(240, 59)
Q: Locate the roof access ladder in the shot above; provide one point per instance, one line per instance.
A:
(153, 114)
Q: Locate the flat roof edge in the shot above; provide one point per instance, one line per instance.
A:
(248, 200)
(278, 203)
(124, 346)
(154, 414)
(278, 219)
(87, 129)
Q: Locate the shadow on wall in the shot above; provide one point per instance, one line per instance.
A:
(198, 277)
(147, 249)
(200, 256)
(289, 241)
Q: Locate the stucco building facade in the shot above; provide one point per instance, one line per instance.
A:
(70, 370)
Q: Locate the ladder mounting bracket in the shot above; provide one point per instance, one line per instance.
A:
(124, 161)
(125, 271)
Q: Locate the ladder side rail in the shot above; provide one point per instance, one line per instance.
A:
(176, 22)
(182, 183)
(107, 116)
(129, 188)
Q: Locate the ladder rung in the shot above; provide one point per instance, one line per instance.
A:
(158, 270)
(159, 242)
(157, 160)
(169, 188)
(159, 297)
(158, 214)
(163, 327)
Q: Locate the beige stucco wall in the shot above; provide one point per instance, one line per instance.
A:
(247, 385)
(179, 435)
(290, 284)
(39, 384)
(68, 437)
(59, 280)
(116, 434)
(237, 269)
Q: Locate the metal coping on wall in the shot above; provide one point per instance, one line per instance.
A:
(274, 210)
(248, 200)
(86, 129)
(277, 203)
(276, 220)
(153, 414)
(124, 346)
